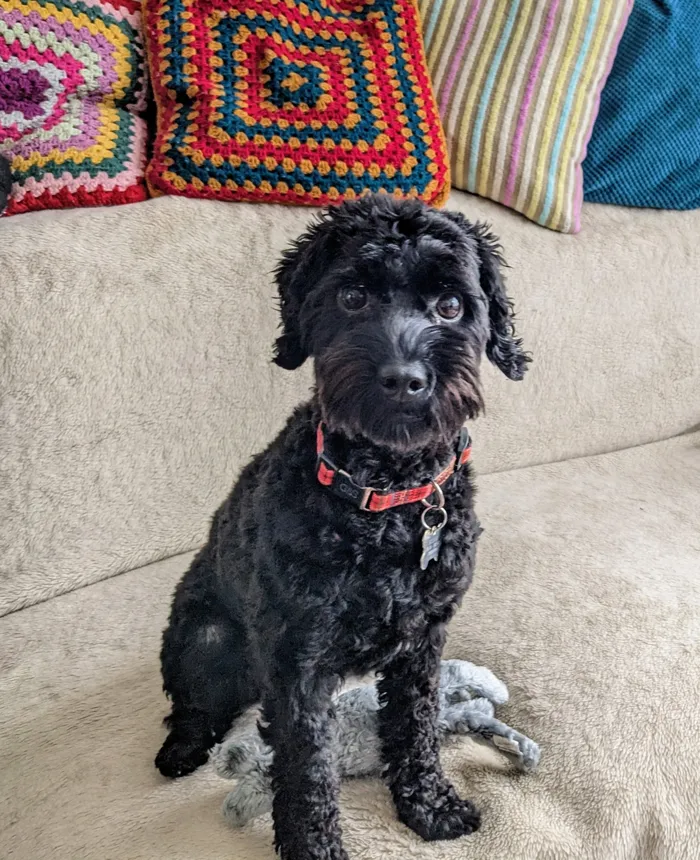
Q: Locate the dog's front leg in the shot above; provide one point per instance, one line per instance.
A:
(425, 800)
(300, 725)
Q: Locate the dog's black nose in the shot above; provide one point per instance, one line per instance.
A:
(404, 381)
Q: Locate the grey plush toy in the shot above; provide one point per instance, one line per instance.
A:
(467, 695)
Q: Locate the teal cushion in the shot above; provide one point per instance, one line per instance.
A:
(645, 147)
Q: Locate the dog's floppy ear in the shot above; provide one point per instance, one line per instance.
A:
(503, 348)
(301, 267)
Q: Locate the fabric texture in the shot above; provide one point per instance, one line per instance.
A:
(72, 90)
(645, 148)
(586, 603)
(517, 85)
(293, 102)
(132, 396)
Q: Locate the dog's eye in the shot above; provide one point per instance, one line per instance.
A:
(449, 306)
(353, 298)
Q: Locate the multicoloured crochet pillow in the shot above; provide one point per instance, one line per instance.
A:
(72, 85)
(292, 102)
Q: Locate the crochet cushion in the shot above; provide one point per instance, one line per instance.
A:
(72, 84)
(518, 85)
(293, 102)
(645, 148)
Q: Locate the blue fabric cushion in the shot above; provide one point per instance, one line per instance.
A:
(645, 147)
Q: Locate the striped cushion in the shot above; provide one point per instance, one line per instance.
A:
(518, 84)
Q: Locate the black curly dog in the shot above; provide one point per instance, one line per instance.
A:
(298, 587)
(5, 183)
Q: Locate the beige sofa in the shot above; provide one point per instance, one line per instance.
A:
(134, 382)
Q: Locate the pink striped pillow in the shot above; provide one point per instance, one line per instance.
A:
(518, 84)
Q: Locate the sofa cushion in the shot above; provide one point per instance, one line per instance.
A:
(586, 602)
(136, 375)
(645, 147)
(302, 102)
(72, 98)
(518, 86)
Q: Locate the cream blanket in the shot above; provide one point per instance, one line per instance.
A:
(586, 603)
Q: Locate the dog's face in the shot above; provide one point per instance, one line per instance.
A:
(397, 303)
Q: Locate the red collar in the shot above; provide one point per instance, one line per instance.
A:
(369, 499)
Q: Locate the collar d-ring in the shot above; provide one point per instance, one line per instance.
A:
(436, 526)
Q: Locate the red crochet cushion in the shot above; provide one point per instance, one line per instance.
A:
(292, 102)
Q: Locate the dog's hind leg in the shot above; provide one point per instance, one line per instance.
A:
(206, 671)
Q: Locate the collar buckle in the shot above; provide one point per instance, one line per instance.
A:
(366, 497)
(344, 486)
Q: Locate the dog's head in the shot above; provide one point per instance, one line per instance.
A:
(396, 302)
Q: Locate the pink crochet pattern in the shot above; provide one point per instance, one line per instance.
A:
(72, 88)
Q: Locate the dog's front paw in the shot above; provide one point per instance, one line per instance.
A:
(179, 756)
(439, 813)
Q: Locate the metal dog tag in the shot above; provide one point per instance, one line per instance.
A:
(432, 541)
(432, 535)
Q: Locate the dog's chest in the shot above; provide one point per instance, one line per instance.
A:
(320, 569)
(387, 599)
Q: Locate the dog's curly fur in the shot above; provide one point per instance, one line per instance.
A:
(296, 588)
(5, 183)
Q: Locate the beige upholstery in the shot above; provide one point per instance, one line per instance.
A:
(587, 602)
(134, 382)
(135, 375)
